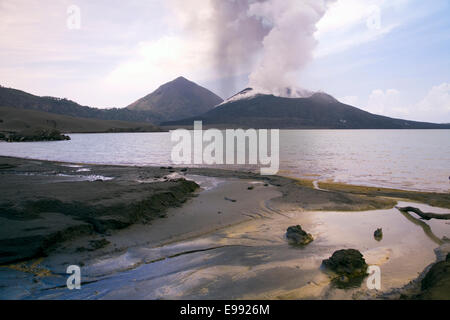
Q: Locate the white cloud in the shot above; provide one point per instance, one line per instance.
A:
(342, 43)
(154, 63)
(436, 104)
(39, 54)
(214, 39)
(186, 48)
(384, 102)
(343, 14)
(434, 107)
(349, 23)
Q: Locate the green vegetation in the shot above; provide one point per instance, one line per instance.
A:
(22, 100)
(432, 198)
(38, 134)
(30, 125)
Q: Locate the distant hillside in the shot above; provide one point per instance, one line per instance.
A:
(319, 111)
(177, 99)
(16, 120)
(19, 99)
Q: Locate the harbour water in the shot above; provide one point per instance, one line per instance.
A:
(403, 159)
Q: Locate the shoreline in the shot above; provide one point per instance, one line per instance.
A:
(184, 213)
(294, 193)
(437, 198)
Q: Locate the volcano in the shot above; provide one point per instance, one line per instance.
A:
(252, 109)
(177, 99)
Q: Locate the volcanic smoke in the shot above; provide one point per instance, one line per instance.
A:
(272, 40)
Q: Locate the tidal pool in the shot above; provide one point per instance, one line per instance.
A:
(253, 260)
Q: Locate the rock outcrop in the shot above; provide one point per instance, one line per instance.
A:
(35, 135)
(378, 234)
(298, 236)
(436, 284)
(347, 266)
(81, 216)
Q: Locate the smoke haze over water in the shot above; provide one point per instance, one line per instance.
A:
(272, 40)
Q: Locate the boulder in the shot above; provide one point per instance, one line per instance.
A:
(378, 234)
(436, 283)
(348, 263)
(297, 235)
(37, 134)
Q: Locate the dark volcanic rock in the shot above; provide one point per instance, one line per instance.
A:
(347, 262)
(28, 247)
(85, 217)
(98, 244)
(378, 234)
(436, 284)
(36, 135)
(4, 166)
(298, 235)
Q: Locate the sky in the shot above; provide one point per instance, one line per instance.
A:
(389, 57)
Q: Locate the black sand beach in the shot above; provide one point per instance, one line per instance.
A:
(53, 214)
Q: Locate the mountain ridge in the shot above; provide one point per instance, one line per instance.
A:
(177, 99)
(182, 99)
(319, 111)
(18, 120)
(10, 97)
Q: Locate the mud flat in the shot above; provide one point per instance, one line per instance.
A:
(155, 233)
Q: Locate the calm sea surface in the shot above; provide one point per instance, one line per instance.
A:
(408, 159)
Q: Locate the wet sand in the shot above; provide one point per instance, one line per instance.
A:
(253, 260)
(223, 240)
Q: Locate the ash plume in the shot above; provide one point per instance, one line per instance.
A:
(238, 37)
(272, 40)
(289, 45)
